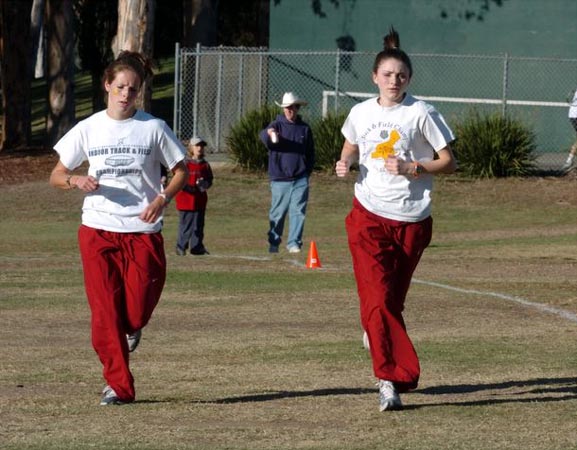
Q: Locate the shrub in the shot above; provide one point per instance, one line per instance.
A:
(244, 145)
(328, 141)
(491, 145)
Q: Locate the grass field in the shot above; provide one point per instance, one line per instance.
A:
(252, 351)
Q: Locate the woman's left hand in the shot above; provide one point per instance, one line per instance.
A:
(396, 166)
(153, 211)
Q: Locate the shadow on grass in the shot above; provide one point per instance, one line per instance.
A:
(529, 391)
(278, 395)
(539, 390)
(526, 391)
(469, 388)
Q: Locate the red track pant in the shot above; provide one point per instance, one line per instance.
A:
(385, 254)
(124, 274)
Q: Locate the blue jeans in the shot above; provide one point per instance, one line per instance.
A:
(191, 230)
(288, 197)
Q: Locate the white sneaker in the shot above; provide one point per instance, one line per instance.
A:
(133, 340)
(568, 164)
(389, 399)
(294, 249)
(109, 397)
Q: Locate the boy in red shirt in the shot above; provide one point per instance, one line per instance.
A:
(191, 201)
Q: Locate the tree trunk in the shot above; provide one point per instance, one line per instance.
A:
(200, 23)
(136, 33)
(15, 84)
(36, 36)
(60, 69)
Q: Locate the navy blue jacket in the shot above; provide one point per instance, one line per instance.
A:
(293, 157)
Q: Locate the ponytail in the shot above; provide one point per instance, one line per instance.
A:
(392, 49)
(127, 60)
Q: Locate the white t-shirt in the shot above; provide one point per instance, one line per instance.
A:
(413, 131)
(573, 107)
(125, 157)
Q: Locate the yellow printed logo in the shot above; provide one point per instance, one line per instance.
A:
(385, 149)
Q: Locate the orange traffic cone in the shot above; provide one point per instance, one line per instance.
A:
(313, 260)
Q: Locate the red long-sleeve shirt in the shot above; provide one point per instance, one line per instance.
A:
(192, 198)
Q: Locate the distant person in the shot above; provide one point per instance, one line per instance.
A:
(120, 238)
(191, 201)
(291, 159)
(400, 143)
(573, 120)
(163, 176)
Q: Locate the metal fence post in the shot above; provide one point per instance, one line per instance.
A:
(505, 83)
(337, 79)
(260, 77)
(177, 97)
(196, 89)
(218, 99)
(240, 85)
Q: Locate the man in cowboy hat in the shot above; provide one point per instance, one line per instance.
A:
(291, 159)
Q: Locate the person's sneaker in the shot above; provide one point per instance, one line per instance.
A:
(180, 252)
(109, 397)
(294, 249)
(389, 399)
(273, 248)
(133, 340)
(199, 251)
(568, 164)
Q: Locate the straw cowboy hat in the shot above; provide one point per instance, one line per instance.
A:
(290, 98)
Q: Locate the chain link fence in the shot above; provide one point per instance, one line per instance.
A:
(215, 87)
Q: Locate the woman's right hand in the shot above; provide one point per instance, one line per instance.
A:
(86, 183)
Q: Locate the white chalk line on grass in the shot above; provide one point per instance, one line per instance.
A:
(511, 298)
(292, 262)
(249, 258)
(538, 306)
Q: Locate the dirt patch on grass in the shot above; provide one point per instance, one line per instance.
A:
(22, 167)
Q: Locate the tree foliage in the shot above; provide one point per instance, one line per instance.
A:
(317, 6)
(468, 9)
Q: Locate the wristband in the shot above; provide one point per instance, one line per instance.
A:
(417, 169)
(166, 199)
(70, 185)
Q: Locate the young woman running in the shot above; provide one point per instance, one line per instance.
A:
(400, 143)
(120, 238)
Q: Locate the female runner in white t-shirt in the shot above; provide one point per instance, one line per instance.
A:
(120, 238)
(399, 143)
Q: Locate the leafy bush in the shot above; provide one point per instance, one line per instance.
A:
(244, 145)
(491, 145)
(328, 140)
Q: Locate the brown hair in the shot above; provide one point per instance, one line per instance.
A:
(127, 60)
(392, 49)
